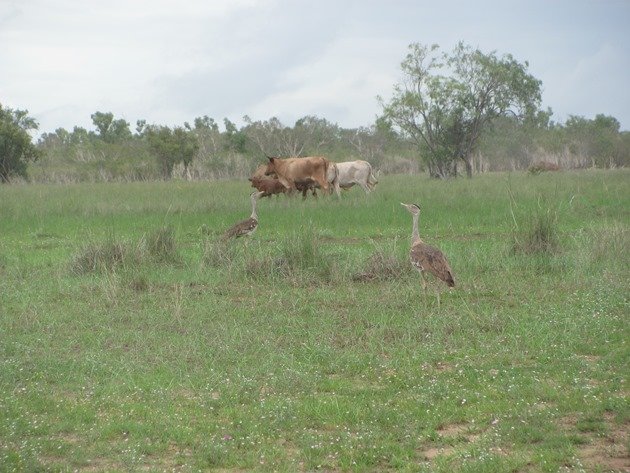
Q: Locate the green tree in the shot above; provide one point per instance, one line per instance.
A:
(206, 123)
(110, 130)
(235, 140)
(307, 137)
(79, 135)
(445, 101)
(16, 147)
(599, 140)
(171, 147)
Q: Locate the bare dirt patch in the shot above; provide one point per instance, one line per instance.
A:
(432, 453)
(458, 430)
(608, 452)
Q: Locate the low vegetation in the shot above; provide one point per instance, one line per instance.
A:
(133, 339)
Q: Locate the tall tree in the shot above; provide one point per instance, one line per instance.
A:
(445, 101)
(308, 136)
(171, 147)
(16, 147)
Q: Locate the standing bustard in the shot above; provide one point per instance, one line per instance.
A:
(426, 257)
(248, 226)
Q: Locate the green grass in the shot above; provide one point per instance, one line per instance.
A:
(132, 338)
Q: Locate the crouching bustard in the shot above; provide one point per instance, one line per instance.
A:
(426, 257)
(248, 226)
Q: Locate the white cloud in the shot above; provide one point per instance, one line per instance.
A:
(343, 82)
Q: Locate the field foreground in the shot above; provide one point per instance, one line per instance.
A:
(132, 339)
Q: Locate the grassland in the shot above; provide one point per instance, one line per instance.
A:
(132, 340)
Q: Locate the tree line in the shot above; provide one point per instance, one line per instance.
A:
(454, 113)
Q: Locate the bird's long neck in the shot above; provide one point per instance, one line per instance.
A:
(415, 234)
(254, 215)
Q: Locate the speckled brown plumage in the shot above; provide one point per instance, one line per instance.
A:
(426, 257)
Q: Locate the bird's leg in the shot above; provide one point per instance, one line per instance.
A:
(424, 281)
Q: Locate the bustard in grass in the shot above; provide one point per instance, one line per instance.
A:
(248, 226)
(426, 257)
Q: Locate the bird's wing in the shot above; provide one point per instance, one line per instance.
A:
(433, 260)
(241, 228)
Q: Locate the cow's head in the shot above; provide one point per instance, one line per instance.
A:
(271, 166)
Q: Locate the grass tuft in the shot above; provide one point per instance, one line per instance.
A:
(300, 250)
(383, 265)
(162, 245)
(296, 257)
(100, 257)
(538, 232)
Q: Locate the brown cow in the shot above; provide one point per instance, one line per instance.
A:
(292, 170)
(268, 186)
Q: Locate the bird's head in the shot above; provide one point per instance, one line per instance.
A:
(413, 208)
(256, 195)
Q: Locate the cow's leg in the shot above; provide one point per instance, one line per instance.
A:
(323, 184)
(336, 187)
(365, 187)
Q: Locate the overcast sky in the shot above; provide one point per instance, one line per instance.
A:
(169, 61)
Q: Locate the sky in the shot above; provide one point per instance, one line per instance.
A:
(168, 62)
